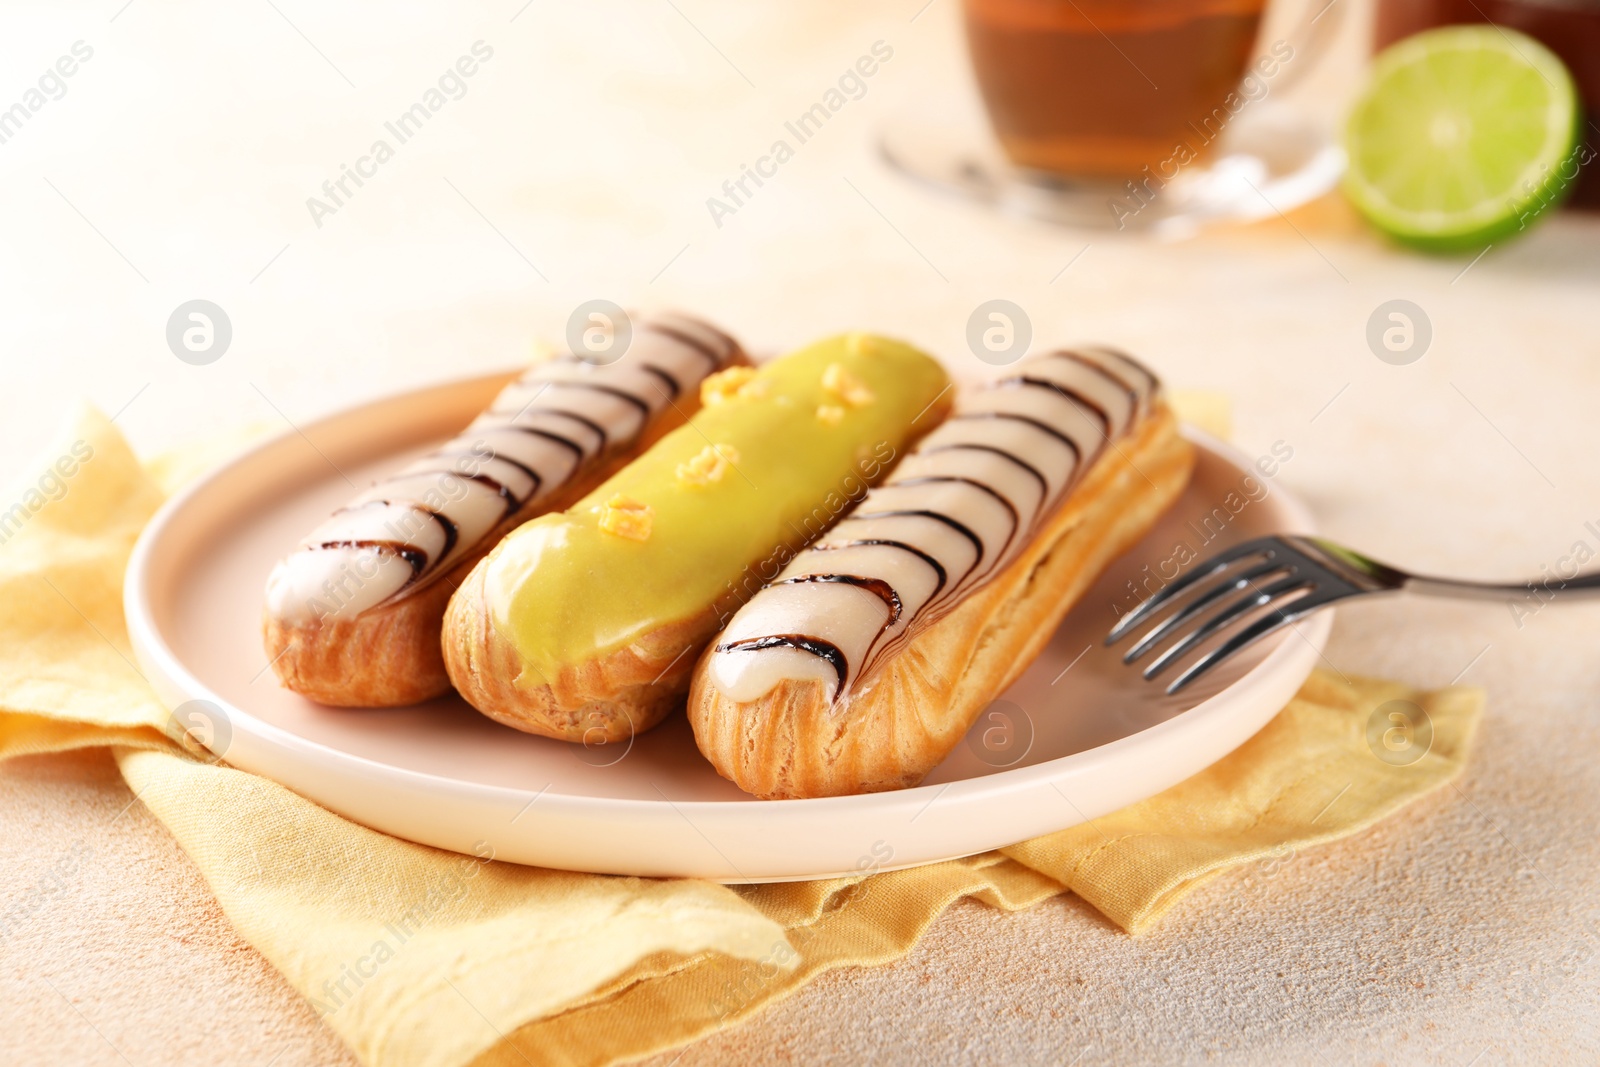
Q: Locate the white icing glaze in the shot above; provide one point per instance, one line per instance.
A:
(556, 420)
(953, 514)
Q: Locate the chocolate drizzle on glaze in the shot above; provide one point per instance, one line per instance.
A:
(689, 340)
(993, 450)
(1067, 391)
(582, 420)
(876, 586)
(982, 487)
(447, 528)
(995, 447)
(452, 532)
(477, 482)
(814, 645)
(521, 466)
(1037, 424)
(1105, 372)
(673, 388)
(565, 442)
(940, 575)
(410, 553)
(955, 524)
(512, 503)
(1122, 361)
(638, 403)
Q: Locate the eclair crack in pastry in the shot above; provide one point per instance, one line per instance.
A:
(863, 663)
(584, 625)
(353, 615)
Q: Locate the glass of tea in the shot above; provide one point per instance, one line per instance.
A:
(1163, 116)
(1102, 89)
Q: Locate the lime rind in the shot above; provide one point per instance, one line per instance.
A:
(1459, 137)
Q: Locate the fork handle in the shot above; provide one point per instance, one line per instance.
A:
(1447, 587)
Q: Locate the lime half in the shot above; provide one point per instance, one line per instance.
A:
(1463, 136)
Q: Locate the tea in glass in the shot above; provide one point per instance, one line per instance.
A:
(1104, 88)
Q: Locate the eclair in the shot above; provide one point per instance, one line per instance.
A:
(862, 664)
(353, 615)
(584, 625)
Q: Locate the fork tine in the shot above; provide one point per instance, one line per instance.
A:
(1195, 606)
(1248, 636)
(1255, 599)
(1220, 562)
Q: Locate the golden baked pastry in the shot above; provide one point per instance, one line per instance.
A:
(870, 656)
(353, 615)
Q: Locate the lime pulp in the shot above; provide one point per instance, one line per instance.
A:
(1462, 137)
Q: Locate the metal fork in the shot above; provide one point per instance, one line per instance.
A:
(1292, 576)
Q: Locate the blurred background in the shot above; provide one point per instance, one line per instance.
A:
(577, 161)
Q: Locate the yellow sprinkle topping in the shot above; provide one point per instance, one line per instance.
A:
(708, 466)
(725, 385)
(861, 344)
(830, 414)
(846, 386)
(627, 517)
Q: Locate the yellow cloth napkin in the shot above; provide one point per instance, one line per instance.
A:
(417, 956)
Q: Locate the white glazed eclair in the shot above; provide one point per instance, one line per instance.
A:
(869, 657)
(353, 614)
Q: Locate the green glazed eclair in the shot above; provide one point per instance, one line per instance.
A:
(585, 625)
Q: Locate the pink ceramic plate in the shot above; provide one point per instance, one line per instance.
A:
(1079, 736)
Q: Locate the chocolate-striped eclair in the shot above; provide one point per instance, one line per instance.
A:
(867, 659)
(353, 614)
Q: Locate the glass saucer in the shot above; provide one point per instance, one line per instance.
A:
(1270, 158)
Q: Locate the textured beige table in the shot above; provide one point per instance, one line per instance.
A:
(577, 164)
